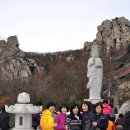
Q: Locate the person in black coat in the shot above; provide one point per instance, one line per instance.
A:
(74, 120)
(35, 120)
(100, 120)
(126, 122)
(4, 119)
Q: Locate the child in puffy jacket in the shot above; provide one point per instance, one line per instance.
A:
(106, 107)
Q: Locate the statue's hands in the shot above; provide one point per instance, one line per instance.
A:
(88, 86)
(94, 61)
(98, 66)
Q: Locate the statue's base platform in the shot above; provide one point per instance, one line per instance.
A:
(94, 101)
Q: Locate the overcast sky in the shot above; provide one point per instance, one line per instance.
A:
(56, 25)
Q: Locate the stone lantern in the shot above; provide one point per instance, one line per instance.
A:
(23, 112)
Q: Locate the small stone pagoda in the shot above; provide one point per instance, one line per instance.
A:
(23, 112)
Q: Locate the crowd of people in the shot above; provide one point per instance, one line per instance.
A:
(87, 116)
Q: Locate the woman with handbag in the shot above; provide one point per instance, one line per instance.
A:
(86, 115)
(74, 120)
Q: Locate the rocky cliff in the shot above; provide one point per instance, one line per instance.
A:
(13, 63)
(113, 35)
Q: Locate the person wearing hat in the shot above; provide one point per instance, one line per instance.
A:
(47, 118)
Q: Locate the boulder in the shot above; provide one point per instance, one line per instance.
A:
(10, 48)
(12, 60)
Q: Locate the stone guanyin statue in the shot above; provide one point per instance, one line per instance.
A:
(95, 73)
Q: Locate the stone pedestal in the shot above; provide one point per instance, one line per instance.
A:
(94, 101)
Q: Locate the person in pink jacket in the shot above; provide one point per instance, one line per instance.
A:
(61, 118)
(106, 108)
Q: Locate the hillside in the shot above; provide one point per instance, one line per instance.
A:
(61, 76)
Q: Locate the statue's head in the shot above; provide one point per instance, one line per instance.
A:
(95, 50)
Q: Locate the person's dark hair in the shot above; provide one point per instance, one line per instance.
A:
(121, 115)
(105, 101)
(2, 108)
(97, 104)
(111, 105)
(38, 103)
(74, 105)
(49, 104)
(64, 106)
(86, 103)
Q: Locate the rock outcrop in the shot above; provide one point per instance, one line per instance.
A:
(70, 58)
(113, 35)
(12, 60)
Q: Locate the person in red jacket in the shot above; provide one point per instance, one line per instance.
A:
(106, 108)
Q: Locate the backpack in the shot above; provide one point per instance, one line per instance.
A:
(87, 126)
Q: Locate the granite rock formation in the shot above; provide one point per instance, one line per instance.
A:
(13, 63)
(113, 35)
